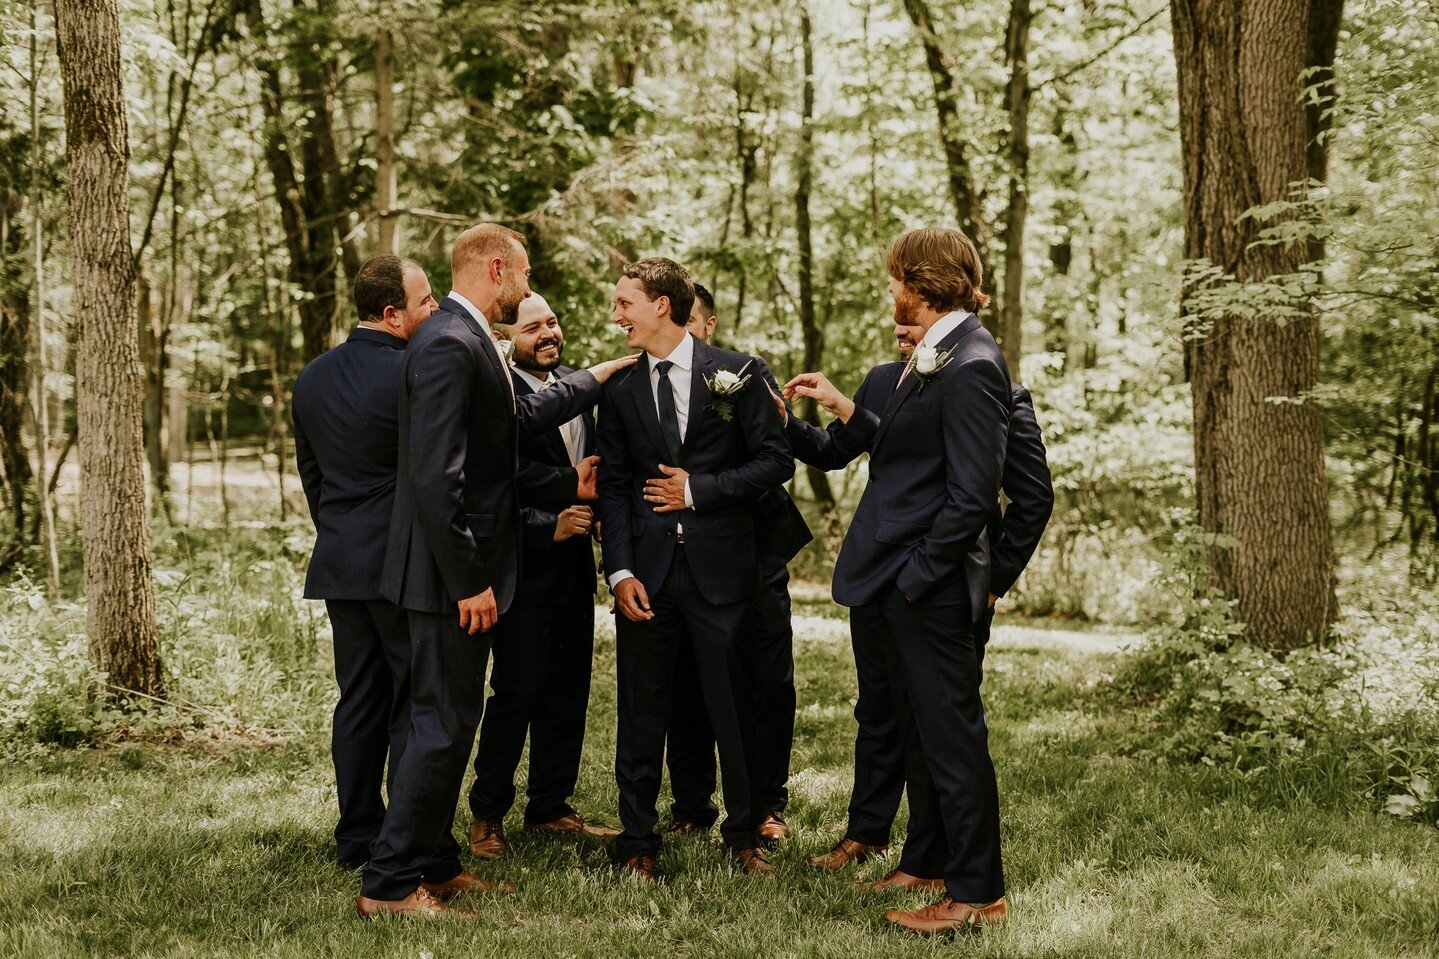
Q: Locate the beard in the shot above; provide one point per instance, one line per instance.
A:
(906, 308)
(508, 299)
(530, 360)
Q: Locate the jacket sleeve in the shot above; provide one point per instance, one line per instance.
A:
(974, 422)
(312, 478)
(615, 485)
(840, 443)
(571, 395)
(1030, 490)
(770, 464)
(545, 487)
(537, 529)
(441, 382)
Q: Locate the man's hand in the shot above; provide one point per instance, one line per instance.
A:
(668, 493)
(818, 387)
(603, 371)
(588, 489)
(992, 600)
(478, 613)
(572, 522)
(632, 600)
(778, 403)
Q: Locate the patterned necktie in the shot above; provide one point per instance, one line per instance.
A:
(669, 420)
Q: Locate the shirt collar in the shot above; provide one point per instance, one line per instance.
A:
(944, 326)
(681, 356)
(535, 382)
(474, 312)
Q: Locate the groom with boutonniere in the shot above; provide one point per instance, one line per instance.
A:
(914, 568)
(688, 444)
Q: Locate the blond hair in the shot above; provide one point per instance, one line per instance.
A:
(482, 243)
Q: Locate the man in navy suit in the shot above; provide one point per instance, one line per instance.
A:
(768, 652)
(914, 568)
(346, 412)
(688, 444)
(879, 758)
(543, 648)
(453, 555)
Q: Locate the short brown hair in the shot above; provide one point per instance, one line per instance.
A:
(942, 265)
(483, 242)
(381, 283)
(659, 277)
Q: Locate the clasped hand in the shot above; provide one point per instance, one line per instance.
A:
(668, 492)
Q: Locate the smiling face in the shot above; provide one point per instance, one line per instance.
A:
(645, 322)
(908, 338)
(537, 336)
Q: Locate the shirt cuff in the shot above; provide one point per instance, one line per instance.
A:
(619, 577)
(689, 496)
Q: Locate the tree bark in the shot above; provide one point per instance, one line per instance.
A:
(118, 583)
(15, 327)
(946, 105)
(385, 178)
(1259, 465)
(1016, 95)
(810, 330)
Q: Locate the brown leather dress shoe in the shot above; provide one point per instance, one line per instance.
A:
(772, 829)
(487, 839)
(464, 882)
(947, 916)
(642, 867)
(419, 904)
(898, 879)
(573, 825)
(684, 828)
(847, 852)
(752, 862)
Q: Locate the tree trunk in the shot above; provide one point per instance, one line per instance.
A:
(946, 105)
(385, 179)
(118, 583)
(1259, 465)
(1016, 95)
(15, 326)
(804, 175)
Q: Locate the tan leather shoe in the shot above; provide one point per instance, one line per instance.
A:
(464, 882)
(419, 904)
(771, 830)
(642, 867)
(752, 862)
(684, 829)
(573, 825)
(947, 916)
(847, 852)
(487, 839)
(898, 879)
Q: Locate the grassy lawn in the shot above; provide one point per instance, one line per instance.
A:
(223, 849)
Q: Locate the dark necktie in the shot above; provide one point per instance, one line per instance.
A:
(669, 421)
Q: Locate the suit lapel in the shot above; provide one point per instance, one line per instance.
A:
(644, 400)
(700, 366)
(910, 384)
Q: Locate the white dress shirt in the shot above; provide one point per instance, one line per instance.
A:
(935, 335)
(485, 325)
(573, 431)
(681, 375)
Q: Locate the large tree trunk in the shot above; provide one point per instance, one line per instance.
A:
(14, 377)
(946, 105)
(1259, 465)
(804, 175)
(1016, 96)
(118, 583)
(385, 178)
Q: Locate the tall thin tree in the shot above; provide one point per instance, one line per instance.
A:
(118, 581)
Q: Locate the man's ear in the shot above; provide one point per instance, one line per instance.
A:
(497, 270)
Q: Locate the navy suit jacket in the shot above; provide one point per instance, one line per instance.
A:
(549, 571)
(456, 527)
(346, 413)
(936, 464)
(732, 463)
(780, 528)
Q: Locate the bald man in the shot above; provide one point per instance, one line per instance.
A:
(540, 681)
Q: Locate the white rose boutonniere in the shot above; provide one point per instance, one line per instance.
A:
(927, 362)
(506, 348)
(724, 386)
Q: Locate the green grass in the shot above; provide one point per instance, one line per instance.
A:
(223, 849)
